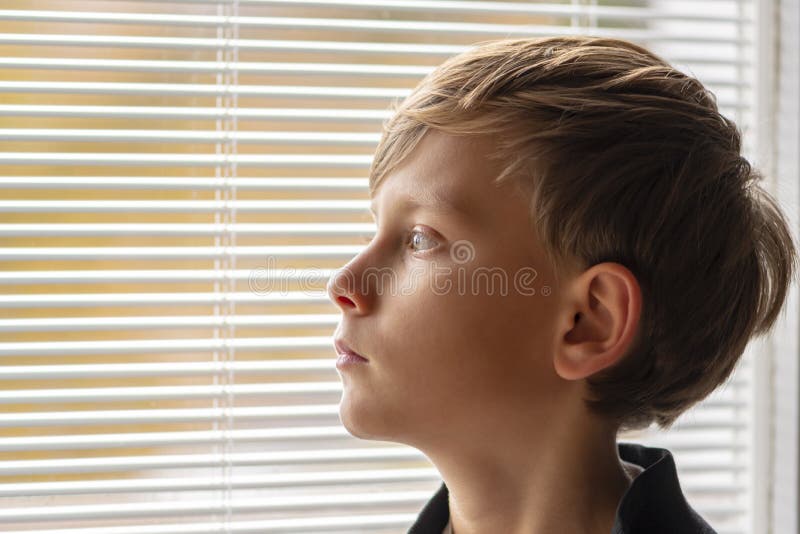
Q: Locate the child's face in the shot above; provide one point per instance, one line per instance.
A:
(450, 353)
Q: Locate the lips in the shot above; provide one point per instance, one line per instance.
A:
(343, 348)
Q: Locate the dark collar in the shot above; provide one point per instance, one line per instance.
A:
(653, 504)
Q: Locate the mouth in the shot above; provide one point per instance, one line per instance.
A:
(344, 349)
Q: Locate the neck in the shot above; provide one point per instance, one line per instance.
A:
(566, 479)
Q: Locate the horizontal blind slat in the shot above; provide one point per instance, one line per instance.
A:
(165, 345)
(273, 480)
(188, 136)
(356, 206)
(167, 439)
(339, 252)
(163, 66)
(311, 503)
(153, 393)
(187, 112)
(372, 25)
(136, 299)
(332, 184)
(51, 372)
(260, 276)
(344, 524)
(196, 229)
(164, 415)
(185, 160)
(185, 461)
(154, 321)
(242, 44)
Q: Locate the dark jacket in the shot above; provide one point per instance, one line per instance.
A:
(653, 504)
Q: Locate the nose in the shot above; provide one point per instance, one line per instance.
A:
(344, 291)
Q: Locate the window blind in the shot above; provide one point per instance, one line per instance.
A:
(179, 180)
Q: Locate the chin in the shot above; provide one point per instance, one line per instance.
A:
(361, 422)
(351, 418)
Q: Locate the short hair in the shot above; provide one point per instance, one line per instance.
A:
(624, 159)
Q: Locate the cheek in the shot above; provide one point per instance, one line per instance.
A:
(452, 355)
(505, 308)
(455, 319)
(426, 325)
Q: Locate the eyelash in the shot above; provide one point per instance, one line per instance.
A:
(407, 239)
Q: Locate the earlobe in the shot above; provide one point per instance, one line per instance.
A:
(575, 362)
(601, 321)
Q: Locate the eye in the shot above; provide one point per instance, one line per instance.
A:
(415, 237)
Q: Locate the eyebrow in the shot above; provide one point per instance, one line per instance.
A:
(436, 201)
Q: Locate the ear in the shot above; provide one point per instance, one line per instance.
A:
(600, 320)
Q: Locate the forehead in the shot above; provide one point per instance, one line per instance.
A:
(427, 196)
(450, 172)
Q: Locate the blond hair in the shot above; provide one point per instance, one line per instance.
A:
(625, 159)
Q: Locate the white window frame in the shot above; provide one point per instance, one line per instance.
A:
(776, 407)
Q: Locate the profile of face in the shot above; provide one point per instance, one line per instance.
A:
(452, 303)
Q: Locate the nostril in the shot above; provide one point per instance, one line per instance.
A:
(346, 301)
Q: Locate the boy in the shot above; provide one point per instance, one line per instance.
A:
(575, 247)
